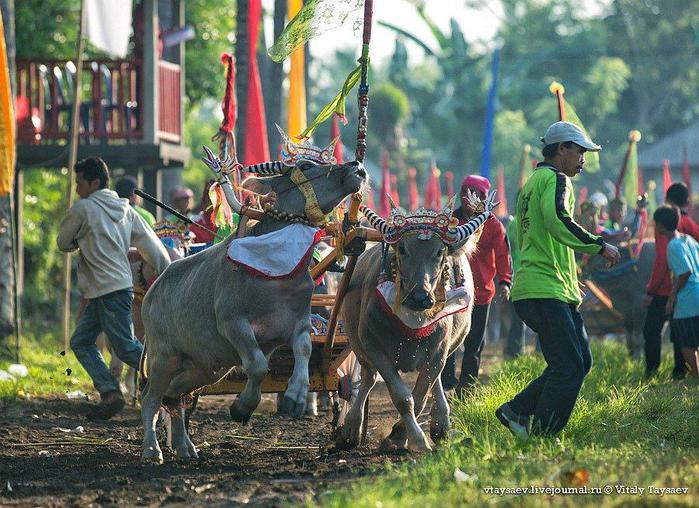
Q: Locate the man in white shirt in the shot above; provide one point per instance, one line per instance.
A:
(102, 226)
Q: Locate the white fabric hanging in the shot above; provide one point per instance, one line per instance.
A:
(276, 255)
(108, 25)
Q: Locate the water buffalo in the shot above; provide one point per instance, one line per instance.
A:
(428, 262)
(205, 315)
(625, 284)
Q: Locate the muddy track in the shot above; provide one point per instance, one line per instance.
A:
(272, 461)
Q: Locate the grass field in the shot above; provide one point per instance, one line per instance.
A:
(625, 432)
(47, 372)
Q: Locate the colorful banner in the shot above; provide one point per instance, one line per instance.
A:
(631, 170)
(667, 177)
(256, 144)
(686, 176)
(489, 118)
(296, 121)
(385, 208)
(449, 180)
(568, 114)
(7, 121)
(335, 134)
(413, 194)
(501, 209)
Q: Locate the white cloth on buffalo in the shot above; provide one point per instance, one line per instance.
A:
(275, 255)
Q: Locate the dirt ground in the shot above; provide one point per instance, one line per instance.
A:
(273, 461)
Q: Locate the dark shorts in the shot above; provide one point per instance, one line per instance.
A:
(686, 332)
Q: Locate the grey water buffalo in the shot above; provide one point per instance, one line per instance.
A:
(625, 284)
(204, 315)
(427, 262)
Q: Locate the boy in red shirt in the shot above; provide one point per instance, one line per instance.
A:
(660, 286)
(492, 257)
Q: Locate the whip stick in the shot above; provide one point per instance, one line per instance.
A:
(360, 151)
(72, 159)
(174, 212)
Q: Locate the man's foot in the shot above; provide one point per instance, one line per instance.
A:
(518, 425)
(678, 375)
(112, 402)
(449, 383)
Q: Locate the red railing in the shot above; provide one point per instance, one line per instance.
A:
(110, 98)
(169, 102)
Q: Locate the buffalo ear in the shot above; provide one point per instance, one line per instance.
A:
(464, 247)
(257, 185)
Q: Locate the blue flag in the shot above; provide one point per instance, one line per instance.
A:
(489, 118)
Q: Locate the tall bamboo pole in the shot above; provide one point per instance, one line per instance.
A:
(72, 159)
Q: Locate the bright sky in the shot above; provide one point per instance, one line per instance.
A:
(476, 25)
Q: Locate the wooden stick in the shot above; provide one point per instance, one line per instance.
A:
(344, 284)
(72, 159)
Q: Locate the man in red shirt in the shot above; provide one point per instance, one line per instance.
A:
(660, 285)
(491, 257)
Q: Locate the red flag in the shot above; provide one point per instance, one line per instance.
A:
(687, 178)
(667, 176)
(501, 210)
(394, 190)
(228, 105)
(433, 193)
(413, 195)
(427, 193)
(534, 163)
(370, 202)
(256, 145)
(335, 133)
(449, 178)
(385, 205)
(582, 195)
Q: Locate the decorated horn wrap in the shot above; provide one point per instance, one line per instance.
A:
(426, 223)
(272, 168)
(463, 232)
(376, 222)
(220, 168)
(292, 153)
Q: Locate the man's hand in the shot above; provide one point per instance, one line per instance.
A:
(503, 293)
(610, 254)
(670, 305)
(269, 199)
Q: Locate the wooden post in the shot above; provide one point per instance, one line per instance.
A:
(72, 159)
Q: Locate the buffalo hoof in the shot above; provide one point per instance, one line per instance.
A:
(152, 455)
(392, 446)
(186, 454)
(419, 446)
(345, 439)
(292, 408)
(238, 414)
(439, 433)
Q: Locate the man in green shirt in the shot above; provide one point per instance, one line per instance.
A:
(546, 293)
(125, 188)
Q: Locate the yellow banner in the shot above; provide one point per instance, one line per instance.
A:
(7, 121)
(297, 89)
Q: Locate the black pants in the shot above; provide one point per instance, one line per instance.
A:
(515, 337)
(652, 328)
(550, 398)
(473, 346)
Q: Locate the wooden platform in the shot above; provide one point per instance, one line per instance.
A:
(322, 367)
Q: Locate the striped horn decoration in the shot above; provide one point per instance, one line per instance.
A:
(463, 232)
(272, 168)
(375, 221)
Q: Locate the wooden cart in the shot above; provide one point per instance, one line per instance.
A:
(331, 364)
